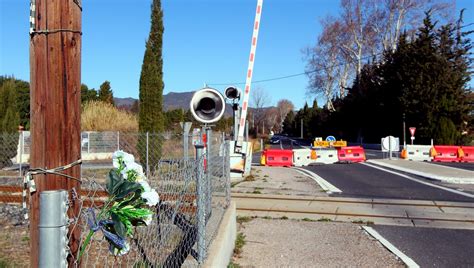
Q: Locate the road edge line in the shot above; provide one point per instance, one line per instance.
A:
(405, 259)
(373, 165)
(319, 180)
(424, 174)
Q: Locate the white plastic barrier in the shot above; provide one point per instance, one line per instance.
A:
(419, 152)
(326, 156)
(302, 157)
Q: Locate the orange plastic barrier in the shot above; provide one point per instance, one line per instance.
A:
(443, 153)
(278, 158)
(468, 154)
(351, 154)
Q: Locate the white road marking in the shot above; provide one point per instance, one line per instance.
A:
(327, 186)
(407, 260)
(370, 154)
(420, 181)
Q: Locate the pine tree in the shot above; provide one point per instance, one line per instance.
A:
(105, 93)
(151, 117)
(88, 94)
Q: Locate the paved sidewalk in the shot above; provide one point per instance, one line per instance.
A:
(427, 170)
(278, 181)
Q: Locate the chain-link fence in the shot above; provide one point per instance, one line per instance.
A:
(97, 149)
(193, 186)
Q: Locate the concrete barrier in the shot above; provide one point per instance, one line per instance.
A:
(419, 152)
(325, 156)
(302, 157)
(222, 247)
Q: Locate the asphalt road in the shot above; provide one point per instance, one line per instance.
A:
(358, 180)
(432, 247)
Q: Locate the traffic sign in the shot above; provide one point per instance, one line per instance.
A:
(330, 138)
(412, 131)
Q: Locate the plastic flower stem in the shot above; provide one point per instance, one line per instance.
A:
(91, 232)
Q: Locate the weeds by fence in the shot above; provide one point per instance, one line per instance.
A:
(172, 240)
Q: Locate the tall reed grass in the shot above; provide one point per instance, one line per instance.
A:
(101, 116)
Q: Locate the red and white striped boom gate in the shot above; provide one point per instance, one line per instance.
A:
(248, 81)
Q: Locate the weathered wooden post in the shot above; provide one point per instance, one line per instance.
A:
(55, 75)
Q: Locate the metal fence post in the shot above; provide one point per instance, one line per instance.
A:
(208, 172)
(186, 126)
(147, 156)
(53, 229)
(22, 142)
(226, 168)
(118, 140)
(224, 151)
(201, 204)
(88, 142)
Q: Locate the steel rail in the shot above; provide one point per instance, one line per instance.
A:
(353, 215)
(360, 202)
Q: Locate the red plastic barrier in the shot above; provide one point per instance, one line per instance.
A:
(445, 153)
(468, 154)
(278, 158)
(351, 154)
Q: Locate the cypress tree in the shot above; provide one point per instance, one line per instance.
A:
(105, 93)
(150, 115)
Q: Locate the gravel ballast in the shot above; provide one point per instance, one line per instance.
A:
(291, 243)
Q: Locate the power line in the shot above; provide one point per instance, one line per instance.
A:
(287, 76)
(304, 73)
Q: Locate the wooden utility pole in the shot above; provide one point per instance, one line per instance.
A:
(55, 81)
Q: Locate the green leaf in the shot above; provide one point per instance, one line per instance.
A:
(126, 188)
(119, 226)
(113, 180)
(131, 199)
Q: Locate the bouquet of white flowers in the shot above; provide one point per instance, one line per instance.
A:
(130, 195)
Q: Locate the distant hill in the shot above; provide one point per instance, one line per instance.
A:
(171, 101)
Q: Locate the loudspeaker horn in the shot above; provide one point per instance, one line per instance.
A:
(232, 93)
(207, 105)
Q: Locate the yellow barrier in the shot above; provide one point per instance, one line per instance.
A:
(326, 144)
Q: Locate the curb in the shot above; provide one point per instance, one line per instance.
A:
(424, 174)
(221, 248)
(325, 185)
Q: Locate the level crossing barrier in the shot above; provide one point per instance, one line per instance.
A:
(444, 153)
(418, 153)
(351, 154)
(468, 154)
(325, 156)
(278, 158)
(302, 157)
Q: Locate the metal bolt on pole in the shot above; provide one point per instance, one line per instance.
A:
(201, 204)
(53, 228)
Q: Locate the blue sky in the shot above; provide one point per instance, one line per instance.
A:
(205, 41)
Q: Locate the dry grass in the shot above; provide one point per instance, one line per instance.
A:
(101, 116)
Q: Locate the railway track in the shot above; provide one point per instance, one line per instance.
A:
(10, 194)
(349, 209)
